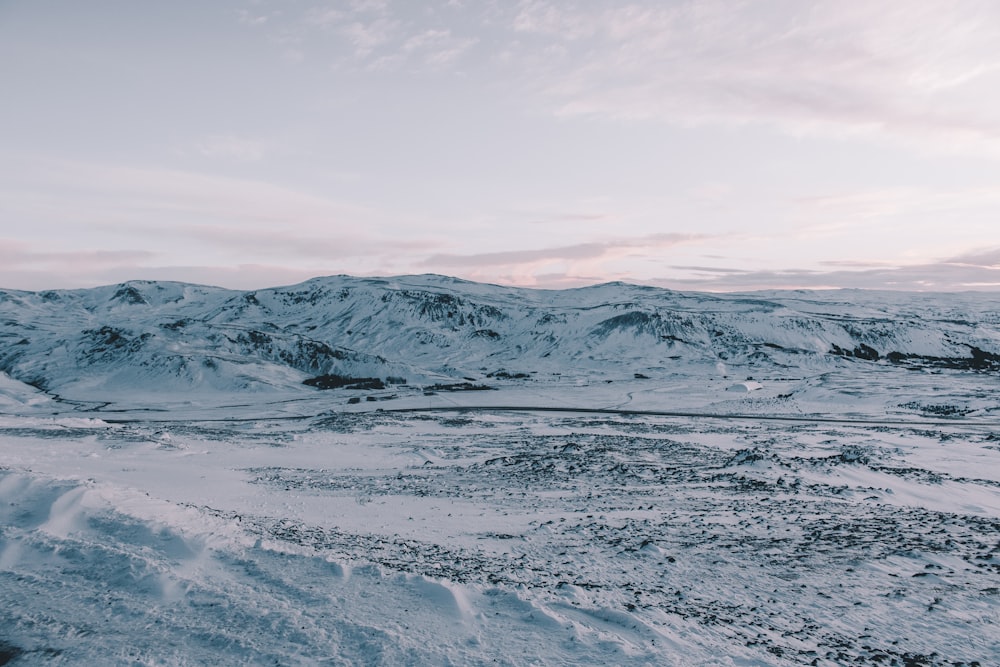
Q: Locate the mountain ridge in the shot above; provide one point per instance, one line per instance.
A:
(432, 330)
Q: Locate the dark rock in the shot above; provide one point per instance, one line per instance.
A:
(332, 381)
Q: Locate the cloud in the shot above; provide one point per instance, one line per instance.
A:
(575, 252)
(878, 202)
(366, 37)
(976, 270)
(516, 257)
(141, 197)
(437, 47)
(286, 260)
(383, 36)
(18, 255)
(238, 241)
(921, 71)
(989, 259)
(711, 270)
(99, 213)
(247, 18)
(924, 73)
(25, 267)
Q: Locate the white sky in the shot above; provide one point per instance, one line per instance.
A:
(693, 144)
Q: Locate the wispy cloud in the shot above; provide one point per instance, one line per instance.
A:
(382, 36)
(975, 270)
(366, 37)
(148, 197)
(921, 71)
(24, 266)
(575, 252)
(566, 265)
(251, 18)
(877, 202)
(103, 211)
(437, 47)
(17, 255)
(988, 259)
(518, 257)
(236, 241)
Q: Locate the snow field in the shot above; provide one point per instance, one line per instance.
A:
(498, 538)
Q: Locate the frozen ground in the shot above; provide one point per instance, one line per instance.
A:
(189, 531)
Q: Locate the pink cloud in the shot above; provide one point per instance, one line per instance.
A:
(16, 255)
(976, 270)
(575, 252)
(913, 70)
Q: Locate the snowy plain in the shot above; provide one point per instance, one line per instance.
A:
(623, 509)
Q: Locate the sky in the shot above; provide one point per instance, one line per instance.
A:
(714, 145)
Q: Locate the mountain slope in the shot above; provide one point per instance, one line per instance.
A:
(432, 329)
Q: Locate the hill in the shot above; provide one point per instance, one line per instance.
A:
(433, 331)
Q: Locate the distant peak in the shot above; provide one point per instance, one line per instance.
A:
(127, 293)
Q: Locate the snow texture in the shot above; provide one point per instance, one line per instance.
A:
(537, 478)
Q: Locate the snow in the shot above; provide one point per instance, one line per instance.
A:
(15, 395)
(745, 387)
(844, 511)
(522, 537)
(179, 339)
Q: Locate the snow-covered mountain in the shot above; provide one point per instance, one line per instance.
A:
(436, 330)
(182, 492)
